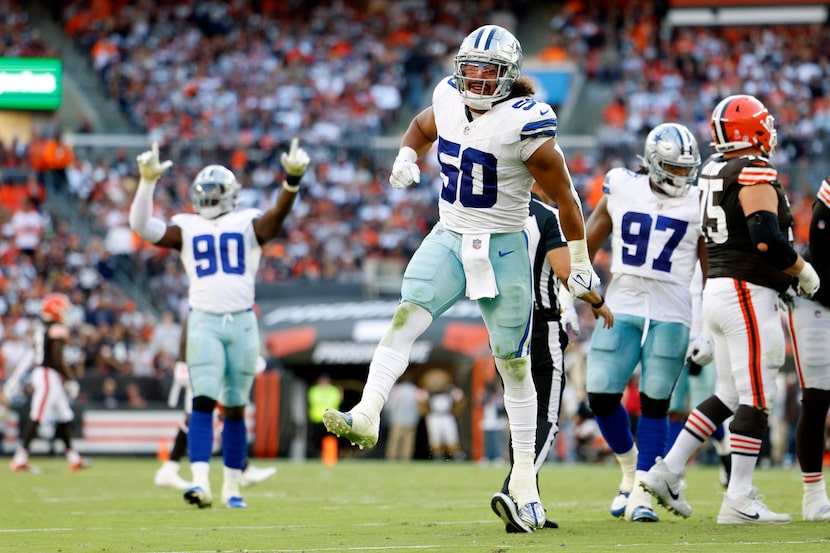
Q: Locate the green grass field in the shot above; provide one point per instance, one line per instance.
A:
(362, 505)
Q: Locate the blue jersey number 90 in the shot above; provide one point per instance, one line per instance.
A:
(229, 256)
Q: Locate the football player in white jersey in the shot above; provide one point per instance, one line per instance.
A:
(656, 241)
(493, 140)
(220, 248)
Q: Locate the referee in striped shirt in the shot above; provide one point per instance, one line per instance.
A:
(553, 310)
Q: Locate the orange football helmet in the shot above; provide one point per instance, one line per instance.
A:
(54, 307)
(742, 121)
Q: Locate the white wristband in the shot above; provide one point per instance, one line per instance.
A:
(408, 154)
(579, 252)
(293, 189)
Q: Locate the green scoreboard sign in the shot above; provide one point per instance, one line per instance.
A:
(30, 83)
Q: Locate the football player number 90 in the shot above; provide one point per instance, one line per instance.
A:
(229, 256)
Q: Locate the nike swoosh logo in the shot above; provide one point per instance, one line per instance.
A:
(502, 254)
(754, 516)
(671, 493)
(543, 112)
(580, 279)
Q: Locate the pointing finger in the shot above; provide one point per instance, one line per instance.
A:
(294, 145)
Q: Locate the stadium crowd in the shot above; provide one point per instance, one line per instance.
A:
(188, 75)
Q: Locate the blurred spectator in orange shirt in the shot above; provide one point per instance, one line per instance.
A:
(615, 113)
(554, 52)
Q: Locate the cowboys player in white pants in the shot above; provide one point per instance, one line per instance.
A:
(493, 140)
(653, 221)
(220, 248)
(553, 311)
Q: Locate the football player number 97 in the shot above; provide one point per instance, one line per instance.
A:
(636, 233)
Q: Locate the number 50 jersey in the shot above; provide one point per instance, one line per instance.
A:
(654, 242)
(221, 258)
(486, 183)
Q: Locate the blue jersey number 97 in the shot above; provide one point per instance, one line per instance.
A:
(229, 256)
(635, 232)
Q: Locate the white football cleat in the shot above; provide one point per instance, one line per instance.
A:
(815, 511)
(533, 515)
(638, 507)
(356, 427)
(667, 488)
(618, 504)
(523, 490)
(749, 510)
(254, 475)
(167, 476)
(505, 508)
(231, 497)
(198, 496)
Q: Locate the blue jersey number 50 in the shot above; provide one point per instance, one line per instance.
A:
(457, 167)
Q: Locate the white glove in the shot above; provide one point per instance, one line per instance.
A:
(149, 166)
(808, 281)
(405, 171)
(583, 279)
(72, 388)
(181, 374)
(296, 161)
(261, 365)
(700, 351)
(568, 315)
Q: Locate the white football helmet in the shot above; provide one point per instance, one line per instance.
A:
(672, 158)
(214, 192)
(489, 45)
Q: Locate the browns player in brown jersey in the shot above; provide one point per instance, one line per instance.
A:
(748, 228)
(53, 383)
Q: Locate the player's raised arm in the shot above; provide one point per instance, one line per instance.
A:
(295, 162)
(141, 217)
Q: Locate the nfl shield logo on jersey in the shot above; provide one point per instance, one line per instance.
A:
(477, 243)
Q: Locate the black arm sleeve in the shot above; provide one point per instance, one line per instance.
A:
(819, 251)
(763, 229)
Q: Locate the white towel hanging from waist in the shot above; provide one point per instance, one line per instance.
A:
(475, 256)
